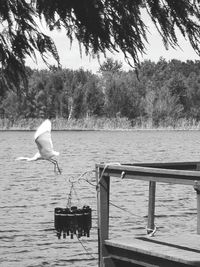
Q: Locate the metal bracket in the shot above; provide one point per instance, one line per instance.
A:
(197, 187)
(123, 174)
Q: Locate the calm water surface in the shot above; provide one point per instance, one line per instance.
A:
(29, 192)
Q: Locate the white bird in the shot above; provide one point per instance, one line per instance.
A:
(44, 143)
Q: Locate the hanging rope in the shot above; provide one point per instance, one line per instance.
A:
(150, 232)
(82, 177)
(69, 201)
(104, 169)
(72, 190)
(86, 250)
(111, 203)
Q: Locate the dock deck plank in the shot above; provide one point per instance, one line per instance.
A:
(184, 249)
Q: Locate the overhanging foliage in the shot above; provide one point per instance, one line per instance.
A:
(99, 25)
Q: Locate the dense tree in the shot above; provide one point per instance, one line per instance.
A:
(94, 98)
(161, 93)
(193, 95)
(177, 88)
(99, 25)
(166, 108)
(110, 66)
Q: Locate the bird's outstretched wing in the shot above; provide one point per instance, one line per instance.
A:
(35, 157)
(22, 158)
(43, 128)
(43, 140)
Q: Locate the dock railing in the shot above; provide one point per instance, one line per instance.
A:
(187, 173)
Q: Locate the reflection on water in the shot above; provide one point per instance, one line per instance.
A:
(29, 192)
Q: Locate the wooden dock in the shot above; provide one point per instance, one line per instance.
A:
(157, 251)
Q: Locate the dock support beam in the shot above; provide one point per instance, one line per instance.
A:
(151, 207)
(197, 189)
(103, 192)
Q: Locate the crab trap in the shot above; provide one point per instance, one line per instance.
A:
(73, 220)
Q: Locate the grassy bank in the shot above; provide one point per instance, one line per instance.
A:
(92, 123)
(64, 124)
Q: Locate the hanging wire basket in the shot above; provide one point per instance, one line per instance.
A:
(70, 221)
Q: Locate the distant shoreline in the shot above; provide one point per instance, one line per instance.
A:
(102, 130)
(97, 124)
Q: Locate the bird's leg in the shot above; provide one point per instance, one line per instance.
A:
(56, 167)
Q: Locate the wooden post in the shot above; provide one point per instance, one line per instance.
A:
(197, 189)
(151, 207)
(103, 190)
(198, 166)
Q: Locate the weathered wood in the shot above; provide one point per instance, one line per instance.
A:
(198, 166)
(108, 262)
(168, 165)
(197, 189)
(158, 251)
(103, 188)
(151, 207)
(152, 174)
(141, 252)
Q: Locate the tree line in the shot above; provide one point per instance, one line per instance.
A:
(162, 92)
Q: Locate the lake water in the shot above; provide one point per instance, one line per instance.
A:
(29, 192)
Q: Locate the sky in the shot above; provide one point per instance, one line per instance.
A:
(71, 58)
